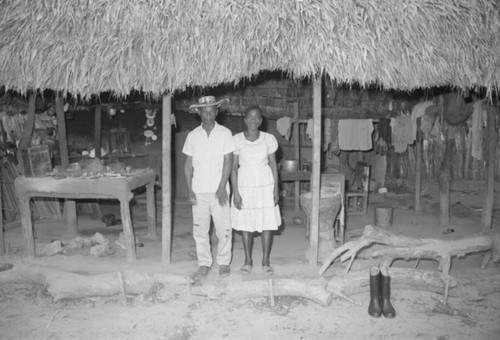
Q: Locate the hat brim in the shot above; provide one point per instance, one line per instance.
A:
(217, 104)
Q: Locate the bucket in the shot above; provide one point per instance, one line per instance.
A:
(383, 216)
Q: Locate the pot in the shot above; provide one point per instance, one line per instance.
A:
(290, 165)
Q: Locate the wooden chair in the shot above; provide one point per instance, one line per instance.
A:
(357, 199)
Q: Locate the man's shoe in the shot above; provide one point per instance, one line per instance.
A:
(224, 270)
(201, 272)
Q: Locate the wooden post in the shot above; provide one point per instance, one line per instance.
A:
(30, 123)
(296, 132)
(418, 166)
(489, 193)
(2, 240)
(315, 178)
(166, 175)
(97, 132)
(69, 205)
(444, 177)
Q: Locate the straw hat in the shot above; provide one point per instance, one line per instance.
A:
(208, 101)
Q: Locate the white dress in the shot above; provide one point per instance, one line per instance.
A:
(255, 184)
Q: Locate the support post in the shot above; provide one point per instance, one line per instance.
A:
(2, 240)
(25, 141)
(97, 132)
(444, 177)
(315, 178)
(418, 167)
(489, 193)
(166, 187)
(69, 205)
(296, 132)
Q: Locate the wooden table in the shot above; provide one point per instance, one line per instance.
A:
(119, 188)
(296, 176)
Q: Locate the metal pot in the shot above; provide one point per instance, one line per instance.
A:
(290, 165)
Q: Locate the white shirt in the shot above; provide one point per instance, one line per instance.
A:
(208, 156)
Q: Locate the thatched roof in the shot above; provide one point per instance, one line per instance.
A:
(89, 46)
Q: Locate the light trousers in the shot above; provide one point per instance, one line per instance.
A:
(208, 207)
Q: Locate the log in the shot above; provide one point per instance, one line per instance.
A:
(398, 246)
(314, 290)
(414, 279)
(66, 285)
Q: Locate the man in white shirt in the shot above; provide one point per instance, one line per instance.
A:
(209, 157)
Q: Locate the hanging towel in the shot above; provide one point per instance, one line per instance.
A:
(417, 112)
(310, 128)
(478, 116)
(283, 125)
(355, 134)
(401, 133)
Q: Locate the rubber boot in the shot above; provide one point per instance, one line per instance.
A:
(385, 281)
(374, 308)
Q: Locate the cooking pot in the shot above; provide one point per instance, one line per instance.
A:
(290, 165)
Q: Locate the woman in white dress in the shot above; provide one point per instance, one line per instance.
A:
(255, 188)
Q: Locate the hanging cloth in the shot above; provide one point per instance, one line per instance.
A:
(384, 130)
(402, 133)
(355, 134)
(283, 125)
(417, 112)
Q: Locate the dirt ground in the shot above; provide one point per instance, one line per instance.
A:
(28, 312)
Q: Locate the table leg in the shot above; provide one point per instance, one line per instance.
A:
(27, 226)
(151, 206)
(128, 231)
(70, 211)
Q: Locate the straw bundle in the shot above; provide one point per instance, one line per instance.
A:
(89, 46)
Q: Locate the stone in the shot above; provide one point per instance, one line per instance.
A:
(84, 241)
(98, 238)
(121, 241)
(101, 250)
(52, 249)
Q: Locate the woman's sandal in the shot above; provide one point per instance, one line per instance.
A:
(268, 270)
(246, 269)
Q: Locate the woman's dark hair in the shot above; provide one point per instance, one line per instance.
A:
(252, 108)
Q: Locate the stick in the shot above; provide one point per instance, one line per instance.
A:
(52, 318)
(271, 293)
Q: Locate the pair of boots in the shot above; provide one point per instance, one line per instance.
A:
(380, 293)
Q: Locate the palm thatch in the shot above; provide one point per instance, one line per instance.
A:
(90, 46)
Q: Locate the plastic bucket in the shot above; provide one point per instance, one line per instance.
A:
(383, 216)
